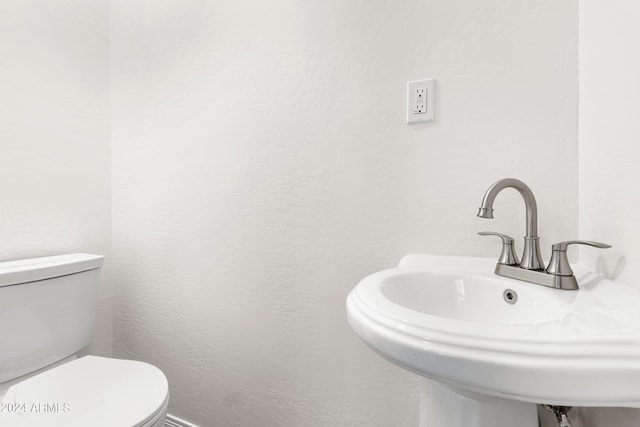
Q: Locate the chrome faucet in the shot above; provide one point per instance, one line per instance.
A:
(531, 258)
(531, 268)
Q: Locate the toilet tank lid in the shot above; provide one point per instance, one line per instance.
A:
(34, 269)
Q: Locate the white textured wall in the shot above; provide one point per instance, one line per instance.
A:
(54, 135)
(262, 166)
(609, 150)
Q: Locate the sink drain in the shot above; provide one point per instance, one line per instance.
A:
(510, 296)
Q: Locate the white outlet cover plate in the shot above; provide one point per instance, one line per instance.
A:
(417, 110)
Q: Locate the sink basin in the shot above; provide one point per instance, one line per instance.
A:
(468, 298)
(449, 319)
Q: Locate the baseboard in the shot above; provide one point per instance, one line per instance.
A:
(172, 421)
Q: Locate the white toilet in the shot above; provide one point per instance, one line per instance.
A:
(47, 309)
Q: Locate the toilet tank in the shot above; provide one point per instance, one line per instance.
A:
(47, 310)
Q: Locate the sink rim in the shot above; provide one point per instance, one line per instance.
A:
(555, 354)
(369, 288)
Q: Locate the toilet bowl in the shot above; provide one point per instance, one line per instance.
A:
(47, 307)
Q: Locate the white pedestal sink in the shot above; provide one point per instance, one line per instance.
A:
(491, 348)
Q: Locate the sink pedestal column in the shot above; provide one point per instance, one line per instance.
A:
(442, 407)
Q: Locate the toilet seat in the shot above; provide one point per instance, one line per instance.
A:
(90, 391)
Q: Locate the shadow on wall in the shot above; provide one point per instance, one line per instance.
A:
(613, 274)
(606, 417)
(592, 417)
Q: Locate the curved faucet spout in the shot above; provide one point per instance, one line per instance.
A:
(486, 208)
(531, 258)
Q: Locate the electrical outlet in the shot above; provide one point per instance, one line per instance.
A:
(420, 101)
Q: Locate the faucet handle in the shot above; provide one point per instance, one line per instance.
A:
(559, 264)
(508, 255)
